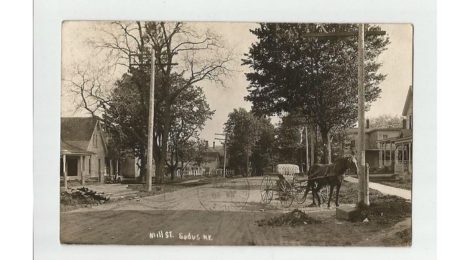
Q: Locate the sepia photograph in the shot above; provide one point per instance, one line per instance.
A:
(236, 133)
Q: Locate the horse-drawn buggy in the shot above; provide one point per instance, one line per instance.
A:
(287, 184)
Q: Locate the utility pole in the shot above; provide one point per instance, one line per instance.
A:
(363, 178)
(225, 154)
(141, 63)
(307, 165)
(361, 153)
(150, 125)
(225, 149)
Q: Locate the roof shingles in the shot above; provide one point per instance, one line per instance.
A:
(76, 132)
(77, 128)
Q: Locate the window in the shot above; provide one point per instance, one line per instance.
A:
(384, 136)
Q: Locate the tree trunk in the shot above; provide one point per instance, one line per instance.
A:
(312, 145)
(171, 164)
(326, 139)
(342, 146)
(162, 150)
(173, 167)
(143, 167)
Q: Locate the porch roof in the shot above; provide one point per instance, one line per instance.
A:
(406, 134)
(68, 149)
(404, 140)
(397, 140)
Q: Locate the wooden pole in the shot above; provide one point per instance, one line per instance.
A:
(381, 162)
(82, 170)
(225, 154)
(363, 180)
(100, 172)
(150, 125)
(64, 169)
(307, 165)
(312, 146)
(402, 158)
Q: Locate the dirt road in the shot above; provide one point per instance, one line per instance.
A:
(214, 214)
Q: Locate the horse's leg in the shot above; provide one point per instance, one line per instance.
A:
(338, 186)
(318, 198)
(312, 186)
(331, 193)
(314, 191)
(307, 189)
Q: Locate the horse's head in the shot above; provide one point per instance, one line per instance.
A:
(344, 164)
(351, 164)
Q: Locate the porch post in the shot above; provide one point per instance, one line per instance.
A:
(111, 168)
(100, 172)
(402, 158)
(389, 151)
(82, 169)
(381, 163)
(64, 165)
(409, 158)
(395, 158)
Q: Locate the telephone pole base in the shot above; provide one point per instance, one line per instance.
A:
(350, 213)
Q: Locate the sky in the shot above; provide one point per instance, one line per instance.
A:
(396, 64)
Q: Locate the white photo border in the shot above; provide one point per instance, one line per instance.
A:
(48, 17)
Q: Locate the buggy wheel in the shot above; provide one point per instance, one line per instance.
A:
(267, 189)
(286, 193)
(299, 192)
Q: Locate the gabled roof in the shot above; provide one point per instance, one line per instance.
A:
(77, 128)
(219, 150)
(409, 101)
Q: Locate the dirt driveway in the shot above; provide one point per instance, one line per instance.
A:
(220, 213)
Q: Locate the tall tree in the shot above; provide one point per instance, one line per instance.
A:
(317, 76)
(288, 141)
(263, 154)
(184, 57)
(191, 151)
(384, 121)
(189, 115)
(249, 141)
(126, 118)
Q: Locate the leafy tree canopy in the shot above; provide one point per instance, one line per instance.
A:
(317, 76)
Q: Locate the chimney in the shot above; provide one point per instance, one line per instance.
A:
(207, 144)
(213, 145)
(367, 123)
(404, 123)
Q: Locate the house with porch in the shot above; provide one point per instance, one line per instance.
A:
(83, 150)
(390, 150)
(212, 161)
(373, 151)
(400, 148)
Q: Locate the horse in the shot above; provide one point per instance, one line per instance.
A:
(321, 175)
